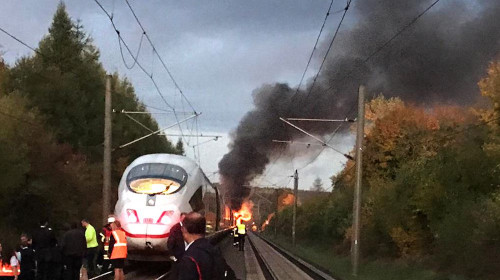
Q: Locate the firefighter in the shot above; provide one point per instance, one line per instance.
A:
(118, 249)
(9, 264)
(242, 231)
(235, 236)
(105, 234)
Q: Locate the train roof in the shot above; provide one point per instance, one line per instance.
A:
(182, 161)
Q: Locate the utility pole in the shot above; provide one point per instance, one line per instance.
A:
(106, 189)
(357, 190)
(295, 193)
(276, 213)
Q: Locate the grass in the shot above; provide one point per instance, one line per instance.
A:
(340, 266)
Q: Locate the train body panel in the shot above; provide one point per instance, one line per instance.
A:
(154, 190)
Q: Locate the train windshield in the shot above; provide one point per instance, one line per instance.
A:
(156, 178)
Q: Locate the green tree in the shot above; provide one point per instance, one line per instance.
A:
(179, 147)
(65, 81)
(40, 178)
(317, 185)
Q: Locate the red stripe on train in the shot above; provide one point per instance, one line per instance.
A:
(146, 235)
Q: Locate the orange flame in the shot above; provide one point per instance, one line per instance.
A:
(245, 212)
(266, 222)
(227, 213)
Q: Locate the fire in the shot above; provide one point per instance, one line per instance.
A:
(245, 212)
(266, 222)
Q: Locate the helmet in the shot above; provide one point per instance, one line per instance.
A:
(111, 219)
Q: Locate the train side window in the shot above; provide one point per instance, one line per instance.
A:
(196, 200)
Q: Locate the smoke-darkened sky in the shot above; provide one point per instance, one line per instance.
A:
(221, 51)
(439, 59)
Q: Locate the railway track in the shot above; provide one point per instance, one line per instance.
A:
(146, 271)
(155, 270)
(272, 268)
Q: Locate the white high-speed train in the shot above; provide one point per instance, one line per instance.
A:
(153, 191)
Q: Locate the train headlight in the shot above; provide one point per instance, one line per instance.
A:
(154, 186)
(165, 218)
(132, 217)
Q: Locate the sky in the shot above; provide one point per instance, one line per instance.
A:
(219, 52)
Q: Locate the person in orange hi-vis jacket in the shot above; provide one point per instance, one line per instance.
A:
(118, 249)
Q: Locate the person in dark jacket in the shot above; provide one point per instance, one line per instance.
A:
(176, 246)
(201, 260)
(27, 259)
(175, 242)
(43, 240)
(73, 249)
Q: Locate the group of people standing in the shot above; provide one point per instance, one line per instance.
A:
(44, 257)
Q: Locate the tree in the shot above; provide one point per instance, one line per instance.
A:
(40, 177)
(317, 185)
(490, 88)
(66, 82)
(52, 129)
(180, 147)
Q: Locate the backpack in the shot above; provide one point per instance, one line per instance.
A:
(221, 269)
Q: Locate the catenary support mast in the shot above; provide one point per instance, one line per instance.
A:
(357, 190)
(106, 189)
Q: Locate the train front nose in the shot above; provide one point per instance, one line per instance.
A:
(147, 229)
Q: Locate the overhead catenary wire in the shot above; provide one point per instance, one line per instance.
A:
(368, 58)
(315, 45)
(328, 13)
(163, 63)
(19, 40)
(120, 38)
(160, 58)
(329, 47)
(386, 43)
(136, 56)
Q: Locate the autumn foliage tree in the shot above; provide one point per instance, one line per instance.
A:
(430, 187)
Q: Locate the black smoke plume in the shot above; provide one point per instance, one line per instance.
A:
(439, 59)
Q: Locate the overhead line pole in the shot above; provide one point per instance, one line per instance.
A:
(106, 188)
(359, 175)
(295, 193)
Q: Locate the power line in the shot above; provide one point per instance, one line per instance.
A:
(304, 73)
(158, 55)
(136, 56)
(120, 38)
(315, 45)
(401, 30)
(329, 47)
(385, 44)
(19, 40)
(413, 21)
(162, 61)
